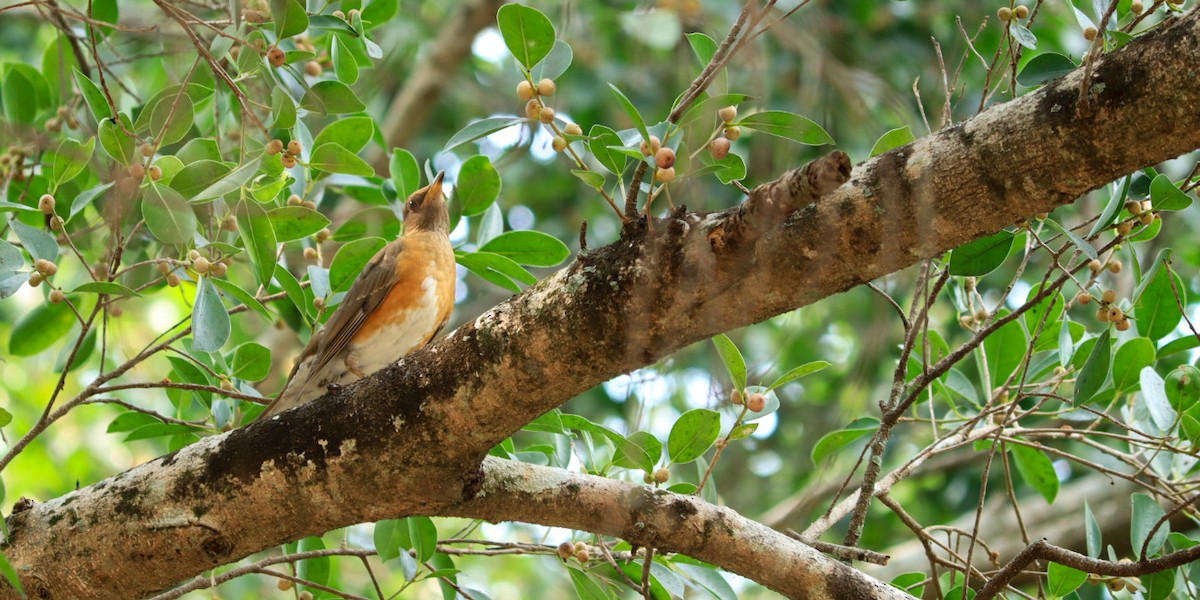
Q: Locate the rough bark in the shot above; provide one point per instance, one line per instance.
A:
(412, 438)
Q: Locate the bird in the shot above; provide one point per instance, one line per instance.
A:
(400, 302)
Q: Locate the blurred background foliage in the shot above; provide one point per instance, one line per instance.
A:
(852, 66)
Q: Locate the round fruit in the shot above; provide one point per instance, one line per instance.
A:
(719, 147)
(309, 204)
(173, 280)
(664, 158)
(1083, 298)
(1021, 11)
(573, 129)
(1115, 266)
(137, 171)
(728, 114)
(226, 385)
(1108, 297)
(559, 144)
(662, 475)
(147, 150)
(665, 175)
(276, 56)
(546, 115)
(35, 279)
(318, 303)
(201, 265)
(310, 253)
(582, 555)
(533, 109)
(164, 268)
(275, 146)
(525, 90)
(1089, 33)
(193, 254)
(283, 584)
(736, 398)
(566, 550)
(295, 200)
(1123, 325)
(46, 204)
(1095, 266)
(324, 235)
(312, 68)
(294, 147)
(756, 402)
(546, 87)
(1004, 14)
(57, 296)
(1102, 314)
(1136, 7)
(733, 133)
(219, 269)
(652, 146)
(288, 161)
(155, 172)
(45, 267)
(339, 14)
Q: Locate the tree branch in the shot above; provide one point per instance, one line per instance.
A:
(412, 438)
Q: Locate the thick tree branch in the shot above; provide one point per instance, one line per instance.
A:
(412, 438)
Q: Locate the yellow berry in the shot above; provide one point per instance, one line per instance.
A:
(35, 279)
(310, 253)
(728, 114)
(219, 269)
(57, 296)
(288, 161)
(1123, 325)
(533, 109)
(137, 171)
(1083, 298)
(1021, 11)
(582, 555)
(573, 129)
(1146, 218)
(295, 200)
(566, 550)
(719, 147)
(1115, 266)
(155, 172)
(226, 384)
(275, 146)
(45, 267)
(546, 115)
(309, 204)
(1108, 297)
(1102, 314)
(525, 90)
(664, 158)
(652, 146)
(733, 133)
(559, 144)
(665, 175)
(312, 68)
(324, 235)
(275, 56)
(1095, 266)
(193, 254)
(307, 595)
(1089, 33)
(46, 204)
(173, 280)
(1136, 7)
(1124, 227)
(283, 584)
(201, 265)
(662, 475)
(546, 87)
(1004, 14)
(164, 268)
(147, 150)
(294, 148)
(1115, 314)
(318, 303)
(756, 402)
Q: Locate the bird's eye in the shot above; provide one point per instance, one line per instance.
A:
(413, 205)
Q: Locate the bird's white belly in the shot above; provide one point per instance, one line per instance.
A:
(392, 342)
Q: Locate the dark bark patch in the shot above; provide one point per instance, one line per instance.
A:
(129, 502)
(682, 509)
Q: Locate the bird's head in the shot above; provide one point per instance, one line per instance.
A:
(425, 209)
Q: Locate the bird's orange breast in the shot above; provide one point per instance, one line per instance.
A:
(420, 301)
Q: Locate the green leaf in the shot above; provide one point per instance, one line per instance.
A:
(210, 319)
(1095, 370)
(981, 256)
(68, 159)
(1036, 469)
(833, 441)
(481, 128)
(743, 431)
(10, 575)
(231, 182)
(199, 149)
(1063, 580)
(693, 434)
(497, 269)
(10, 257)
(1005, 350)
(1022, 34)
(155, 430)
(197, 176)
(251, 362)
(115, 141)
(104, 11)
(168, 216)
(377, 12)
(1182, 386)
(730, 168)
(641, 450)
(19, 96)
(406, 173)
(1146, 513)
(1044, 67)
(332, 157)
(258, 236)
(528, 247)
(40, 328)
(387, 544)
(242, 296)
(1079, 242)
(422, 535)
(296, 222)
(527, 32)
(913, 583)
(110, 288)
(732, 358)
(798, 372)
(331, 97)
(632, 111)
(289, 16)
(349, 261)
(593, 179)
(892, 139)
(352, 133)
(1164, 195)
(1091, 531)
(1154, 400)
(1176, 346)
(93, 96)
(1159, 585)
(345, 66)
(477, 185)
(703, 47)
(287, 282)
(787, 125)
(1054, 304)
(38, 243)
(603, 138)
(315, 570)
(87, 197)
(585, 587)
(1132, 357)
(171, 118)
(555, 63)
(1156, 306)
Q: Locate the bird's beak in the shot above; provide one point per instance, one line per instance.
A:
(435, 188)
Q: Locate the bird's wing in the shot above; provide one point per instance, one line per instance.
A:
(365, 295)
